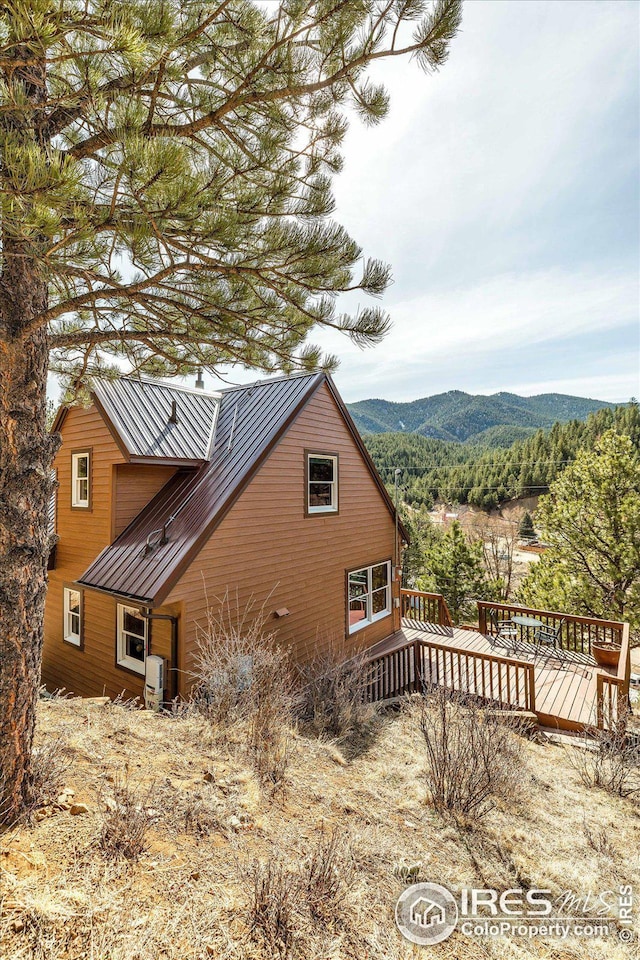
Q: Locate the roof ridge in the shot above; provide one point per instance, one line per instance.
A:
(158, 382)
(298, 375)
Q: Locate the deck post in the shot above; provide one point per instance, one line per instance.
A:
(599, 701)
(482, 619)
(417, 669)
(532, 688)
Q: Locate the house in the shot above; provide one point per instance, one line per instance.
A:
(168, 495)
(427, 913)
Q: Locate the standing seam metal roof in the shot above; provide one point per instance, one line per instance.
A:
(250, 421)
(139, 412)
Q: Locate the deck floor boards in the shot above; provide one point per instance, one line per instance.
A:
(565, 685)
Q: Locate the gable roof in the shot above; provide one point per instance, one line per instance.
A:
(152, 420)
(149, 557)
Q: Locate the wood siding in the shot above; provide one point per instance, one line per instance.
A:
(92, 670)
(135, 485)
(267, 543)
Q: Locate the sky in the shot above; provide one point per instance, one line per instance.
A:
(504, 192)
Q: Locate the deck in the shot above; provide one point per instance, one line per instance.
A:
(564, 688)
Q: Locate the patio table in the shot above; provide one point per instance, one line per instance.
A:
(527, 623)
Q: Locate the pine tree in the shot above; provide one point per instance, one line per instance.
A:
(526, 530)
(591, 519)
(166, 188)
(453, 567)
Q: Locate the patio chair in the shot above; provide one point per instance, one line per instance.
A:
(548, 637)
(502, 630)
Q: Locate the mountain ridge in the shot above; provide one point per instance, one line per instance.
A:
(459, 416)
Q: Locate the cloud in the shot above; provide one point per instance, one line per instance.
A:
(504, 192)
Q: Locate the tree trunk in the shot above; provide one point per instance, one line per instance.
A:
(26, 453)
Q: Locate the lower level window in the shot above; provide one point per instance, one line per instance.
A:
(369, 595)
(132, 638)
(72, 616)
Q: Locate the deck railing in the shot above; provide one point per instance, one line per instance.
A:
(422, 664)
(425, 607)
(612, 692)
(577, 633)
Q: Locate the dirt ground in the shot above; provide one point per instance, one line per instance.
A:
(209, 824)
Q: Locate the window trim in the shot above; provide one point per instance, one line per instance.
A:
(78, 641)
(75, 454)
(124, 661)
(387, 612)
(334, 510)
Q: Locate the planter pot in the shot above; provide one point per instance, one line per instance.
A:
(606, 654)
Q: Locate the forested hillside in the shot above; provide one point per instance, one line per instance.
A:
(461, 416)
(485, 475)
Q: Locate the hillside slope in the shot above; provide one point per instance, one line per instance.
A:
(461, 416)
(211, 823)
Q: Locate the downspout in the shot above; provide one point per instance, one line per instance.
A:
(173, 669)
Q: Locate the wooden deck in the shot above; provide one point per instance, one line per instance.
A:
(562, 687)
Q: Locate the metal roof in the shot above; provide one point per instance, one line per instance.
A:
(149, 557)
(152, 420)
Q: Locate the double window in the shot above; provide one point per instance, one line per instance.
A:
(131, 640)
(80, 479)
(369, 595)
(72, 616)
(322, 483)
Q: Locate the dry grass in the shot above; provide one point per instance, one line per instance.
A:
(339, 831)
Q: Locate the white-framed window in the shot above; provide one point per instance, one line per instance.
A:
(72, 625)
(80, 463)
(322, 483)
(131, 641)
(369, 595)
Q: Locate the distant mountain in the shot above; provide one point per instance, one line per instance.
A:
(464, 417)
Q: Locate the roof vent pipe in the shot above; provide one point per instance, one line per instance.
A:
(174, 412)
(199, 380)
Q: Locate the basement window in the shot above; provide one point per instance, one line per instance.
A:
(80, 465)
(72, 626)
(322, 483)
(369, 590)
(131, 639)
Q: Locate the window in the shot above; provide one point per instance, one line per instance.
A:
(72, 626)
(322, 483)
(80, 479)
(369, 595)
(131, 638)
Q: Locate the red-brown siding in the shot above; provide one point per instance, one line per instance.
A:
(91, 671)
(267, 543)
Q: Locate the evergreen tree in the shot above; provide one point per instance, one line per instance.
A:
(453, 567)
(165, 189)
(526, 530)
(591, 519)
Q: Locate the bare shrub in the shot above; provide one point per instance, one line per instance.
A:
(472, 757)
(270, 744)
(126, 819)
(327, 874)
(598, 839)
(242, 676)
(50, 764)
(333, 696)
(273, 895)
(609, 759)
